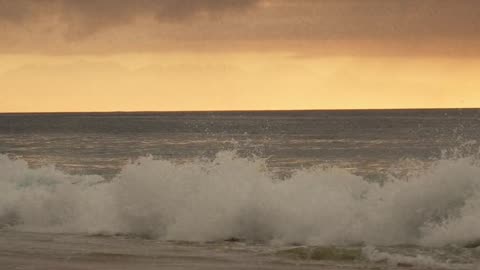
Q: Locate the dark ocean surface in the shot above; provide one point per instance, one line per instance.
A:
(365, 142)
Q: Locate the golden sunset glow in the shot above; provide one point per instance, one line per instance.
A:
(258, 55)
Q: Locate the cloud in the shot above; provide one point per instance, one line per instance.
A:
(378, 19)
(84, 17)
(352, 26)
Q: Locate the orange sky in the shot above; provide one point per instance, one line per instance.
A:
(69, 55)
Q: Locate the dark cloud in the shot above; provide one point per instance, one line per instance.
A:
(376, 19)
(83, 17)
(17, 11)
(402, 25)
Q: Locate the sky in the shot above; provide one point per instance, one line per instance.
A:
(176, 55)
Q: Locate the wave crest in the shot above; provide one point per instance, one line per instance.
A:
(237, 197)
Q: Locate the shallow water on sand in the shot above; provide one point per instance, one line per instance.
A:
(42, 251)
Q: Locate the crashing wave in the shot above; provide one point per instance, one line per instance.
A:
(233, 197)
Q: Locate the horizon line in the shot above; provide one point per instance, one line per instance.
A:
(237, 111)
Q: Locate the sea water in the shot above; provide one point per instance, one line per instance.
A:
(241, 190)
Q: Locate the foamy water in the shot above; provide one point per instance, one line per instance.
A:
(237, 197)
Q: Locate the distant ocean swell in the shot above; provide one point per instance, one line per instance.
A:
(237, 197)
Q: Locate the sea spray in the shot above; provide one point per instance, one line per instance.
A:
(237, 197)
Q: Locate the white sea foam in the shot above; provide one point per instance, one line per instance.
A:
(423, 261)
(237, 197)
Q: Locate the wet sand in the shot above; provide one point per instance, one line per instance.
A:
(42, 251)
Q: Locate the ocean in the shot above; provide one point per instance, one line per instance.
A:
(364, 189)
